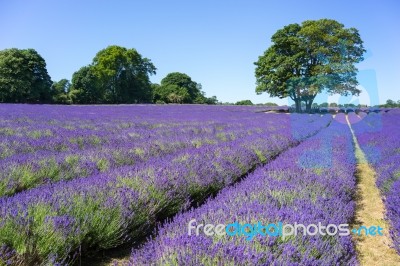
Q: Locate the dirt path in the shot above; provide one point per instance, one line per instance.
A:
(370, 210)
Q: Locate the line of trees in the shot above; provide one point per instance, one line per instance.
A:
(116, 75)
(334, 105)
(391, 104)
(244, 102)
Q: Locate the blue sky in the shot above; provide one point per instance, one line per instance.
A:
(214, 42)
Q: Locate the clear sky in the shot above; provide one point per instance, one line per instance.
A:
(214, 42)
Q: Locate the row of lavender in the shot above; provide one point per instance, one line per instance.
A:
(378, 136)
(96, 145)
(57, 221)
(30, 170)
(311, 183)
(39, 136)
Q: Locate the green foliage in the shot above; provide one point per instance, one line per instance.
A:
(211, 100)
(60, 90)
(23, 77)
(391, 104)
(180, 88)
(103, 164)
(244, 102)
(306, 59)
(124, 75)
(270, 104)
(172, 93)
(183, 81)
(85, 88)
(116, 75)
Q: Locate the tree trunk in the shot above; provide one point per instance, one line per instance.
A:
(308, 106)
(309, 102)
(298, 105)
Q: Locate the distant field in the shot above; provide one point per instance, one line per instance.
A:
(78, 180)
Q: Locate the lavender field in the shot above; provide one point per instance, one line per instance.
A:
(79, 180)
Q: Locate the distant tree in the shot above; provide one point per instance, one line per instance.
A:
(85, 88)
(271, 104)
(60, 90)
(315, 105)
(244, 102)
(333, 105)
(116, 75)
(306, 59)
(178, 87)
(390, 103)
(211, 100)
(325, 104)
(184, 81)
(123, 74)
(24, 77)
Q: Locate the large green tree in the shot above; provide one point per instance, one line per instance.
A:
(123, 74)
(178, 87)
(24, 77)
(306, 59)
(244, 102)
(184, 83)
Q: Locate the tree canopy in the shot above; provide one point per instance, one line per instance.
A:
(244, 102)
(123, 74)
(306, 59)
(24, 77)
(178, 87)
(116, 75)
(85, 87)
(60, 90)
